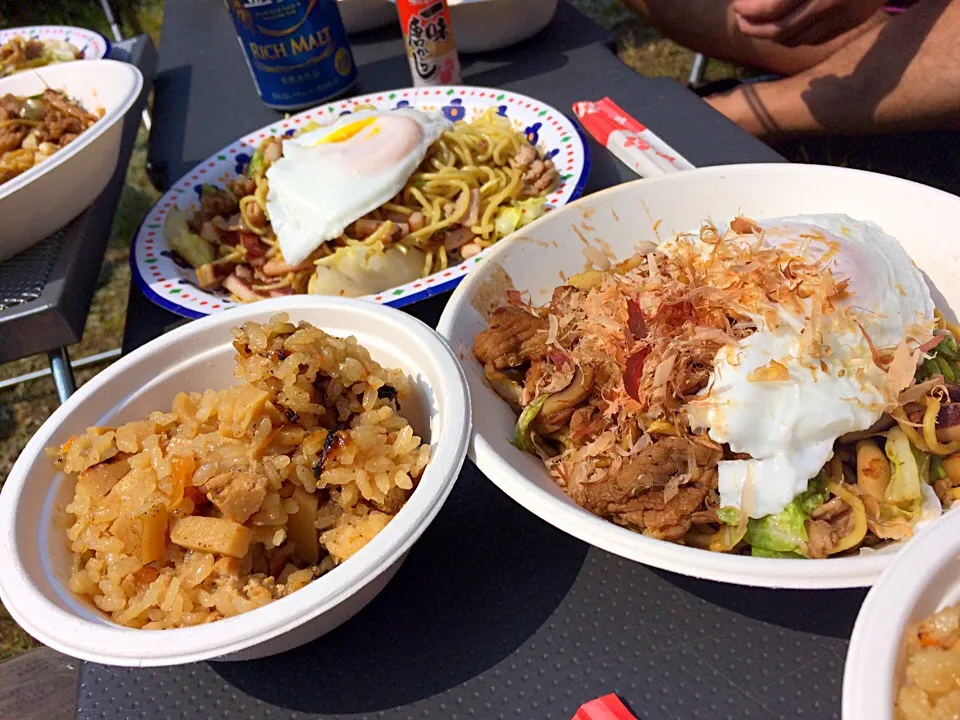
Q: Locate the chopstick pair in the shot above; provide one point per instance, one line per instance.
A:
(629, 139)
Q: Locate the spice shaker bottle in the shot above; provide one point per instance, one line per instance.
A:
(428, 39)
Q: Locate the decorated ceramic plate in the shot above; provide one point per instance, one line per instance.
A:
(92, 45)
(167, 280)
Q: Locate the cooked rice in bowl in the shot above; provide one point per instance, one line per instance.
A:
(932, 649)
(241, 496)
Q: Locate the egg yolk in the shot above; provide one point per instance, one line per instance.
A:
(349, 131)
(368, 146)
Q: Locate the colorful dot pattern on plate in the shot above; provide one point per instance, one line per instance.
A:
(93, 45)
(164, 280)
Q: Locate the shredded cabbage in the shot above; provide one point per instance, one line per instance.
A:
(786, 531)
(256, 162)
(912, 473)
(358, 270)
(522, 435)
(175, 224)
(727, 538)
(760, 552)
(58, 51)
(728, 515)
(522, 212)
(815, 495)
(892, 513)
(188, 245)
(193, 248)
(905, 479)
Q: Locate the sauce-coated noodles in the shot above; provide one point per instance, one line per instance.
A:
(480, 181)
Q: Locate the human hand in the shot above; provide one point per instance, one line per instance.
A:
(801, 22)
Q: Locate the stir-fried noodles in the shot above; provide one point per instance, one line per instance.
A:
(606, 379)
(480, 181)
(20, 53)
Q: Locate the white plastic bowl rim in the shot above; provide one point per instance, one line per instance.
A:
(762, 190)
(109, 643)
(924, 578)
(58, 77)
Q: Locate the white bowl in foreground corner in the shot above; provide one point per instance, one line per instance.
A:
(923, 579)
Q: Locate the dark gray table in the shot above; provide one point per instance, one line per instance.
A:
(495, 614)
(45, 291)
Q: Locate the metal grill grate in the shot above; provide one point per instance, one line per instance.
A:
(23, 277)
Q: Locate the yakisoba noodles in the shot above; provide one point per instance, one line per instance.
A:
(782, 328)
(480, 181)
(20, 53)
(932, 646)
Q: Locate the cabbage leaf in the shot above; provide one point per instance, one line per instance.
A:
(786, 531)
(905, 479)
(521, 213)
(522, 434)
(188, 245)
(760, 552)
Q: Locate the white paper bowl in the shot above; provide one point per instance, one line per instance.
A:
(49, 195)
(33, 549)
(924, 578)
(618, 218)
(362, 15)
(485, 25)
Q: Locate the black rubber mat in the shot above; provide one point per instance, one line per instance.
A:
(497, 615)
(23, 277)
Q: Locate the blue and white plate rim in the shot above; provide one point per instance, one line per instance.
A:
(159, 279)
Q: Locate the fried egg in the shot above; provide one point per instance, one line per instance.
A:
(788, 428)
(887, 291)
(329, 177)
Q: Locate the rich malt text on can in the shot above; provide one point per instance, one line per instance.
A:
(297, 50)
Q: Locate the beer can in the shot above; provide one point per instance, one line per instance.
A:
(297, 50)
(428, 39)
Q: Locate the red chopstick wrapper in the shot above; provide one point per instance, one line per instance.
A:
(629, 139)
(607, 707)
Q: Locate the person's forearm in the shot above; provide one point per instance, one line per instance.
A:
(901, 75)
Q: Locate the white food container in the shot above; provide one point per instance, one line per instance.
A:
(485, 25)
(362, 15)
(540, 255)
(46, 197)
(33, 547)
(924, 578)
